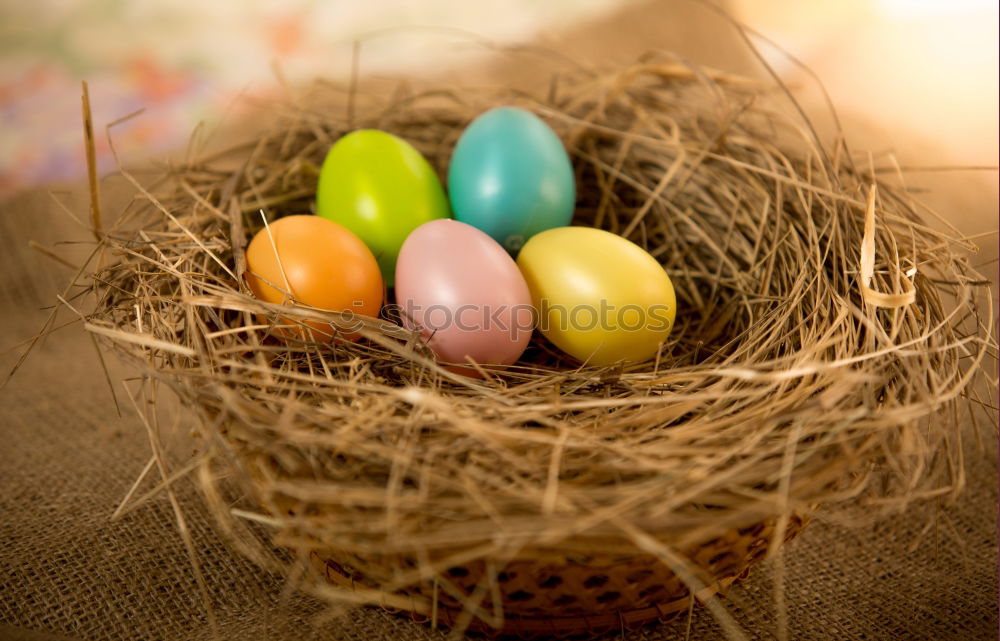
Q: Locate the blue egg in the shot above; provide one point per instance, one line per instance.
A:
(510, 176)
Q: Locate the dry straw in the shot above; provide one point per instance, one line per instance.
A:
(826, 333)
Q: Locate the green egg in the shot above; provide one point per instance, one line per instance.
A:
(379, 187)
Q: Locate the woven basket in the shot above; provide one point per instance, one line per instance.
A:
(805, 362)
(578, 596)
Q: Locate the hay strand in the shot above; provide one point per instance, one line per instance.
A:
(88, 140)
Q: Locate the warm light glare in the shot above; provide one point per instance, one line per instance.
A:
(922, 8)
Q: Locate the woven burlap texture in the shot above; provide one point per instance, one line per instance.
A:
(67, 572)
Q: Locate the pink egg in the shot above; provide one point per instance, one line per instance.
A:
(464, 293)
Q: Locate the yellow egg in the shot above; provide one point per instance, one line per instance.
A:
(600, 298)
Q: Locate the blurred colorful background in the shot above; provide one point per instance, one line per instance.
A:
(189, 61)
(921, 69)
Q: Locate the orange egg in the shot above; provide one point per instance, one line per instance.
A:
(316, 262)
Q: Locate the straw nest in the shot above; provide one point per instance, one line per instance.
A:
(824, 337)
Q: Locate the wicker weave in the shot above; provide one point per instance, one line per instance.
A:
(581, 596)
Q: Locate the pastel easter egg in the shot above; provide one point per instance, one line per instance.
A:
(314, 261)
(381, 188)
(600, 298)
(510, 176)
(464, 293)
